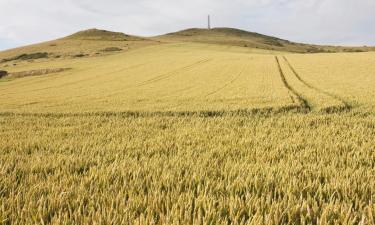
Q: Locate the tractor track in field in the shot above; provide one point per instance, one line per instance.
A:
(304, 104)
(346, 105)
(217, 90)
(173, 73)
(225, 85)
(162, 76)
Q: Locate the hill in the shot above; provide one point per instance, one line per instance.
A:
(92, 42)
(237, 37)
(95, 42)
(102, 35)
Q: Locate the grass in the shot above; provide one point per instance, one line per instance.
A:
(5, 79)
(88, 42)
(95, 34)
(236, 37)
(190, 133)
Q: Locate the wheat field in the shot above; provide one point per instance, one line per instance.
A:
(187, 133)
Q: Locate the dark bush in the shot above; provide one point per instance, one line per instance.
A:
(112, 49)
(3, 73)
(273, 42)
(353, 50)
(37, 55)
(79, 55)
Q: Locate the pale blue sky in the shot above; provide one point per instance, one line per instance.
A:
(342, 22)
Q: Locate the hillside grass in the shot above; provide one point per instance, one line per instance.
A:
(87, 43)
(236, 37)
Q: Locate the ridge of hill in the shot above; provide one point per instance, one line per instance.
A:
(237, 37)
(102, 35)
(91, 42)
(96, 42)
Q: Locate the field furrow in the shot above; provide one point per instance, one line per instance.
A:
(172, 73)
(225, 85)
(344, 104)
(349, 76)
(312, 99)
(303, 103)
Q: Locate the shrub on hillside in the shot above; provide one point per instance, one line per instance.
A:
(3, 73)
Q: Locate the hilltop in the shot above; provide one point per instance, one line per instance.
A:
(242, 38)
(96, 42)
(91, 42)
(102, 35)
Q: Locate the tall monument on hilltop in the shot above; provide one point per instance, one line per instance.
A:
(209, 22)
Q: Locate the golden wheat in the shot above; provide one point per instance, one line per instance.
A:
(184, 134)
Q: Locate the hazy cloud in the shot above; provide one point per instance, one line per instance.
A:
(346, 22)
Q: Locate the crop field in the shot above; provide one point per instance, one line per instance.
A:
(188, 133)
(174, 78)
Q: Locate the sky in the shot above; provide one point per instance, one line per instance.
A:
(340, 22)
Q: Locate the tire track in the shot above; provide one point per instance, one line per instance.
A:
(304, 104)
(172, 73)
(225, 85)
(160, 77)
(336, 97)
(217, 90)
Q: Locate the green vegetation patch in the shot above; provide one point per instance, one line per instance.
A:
(3, 73)
(37, 55)
(112, 49)
(102, 35)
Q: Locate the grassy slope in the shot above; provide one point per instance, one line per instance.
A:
(92, 42)
(89, 42)
(236, 37)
